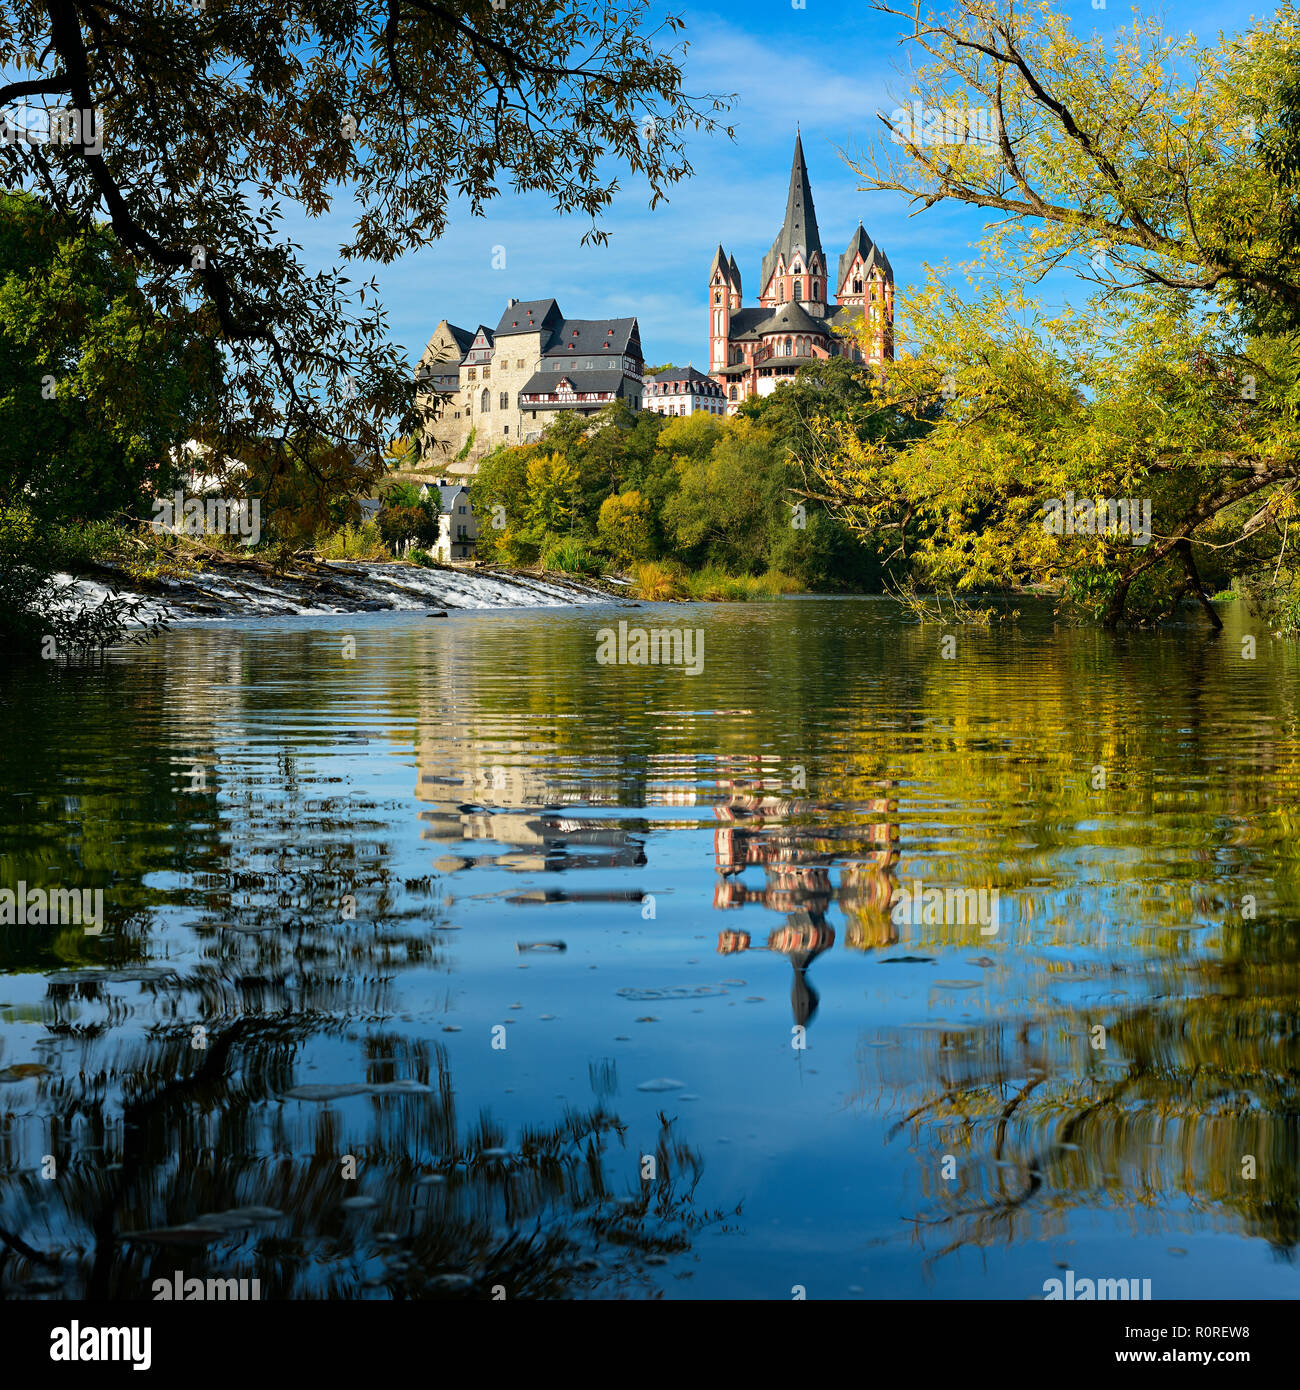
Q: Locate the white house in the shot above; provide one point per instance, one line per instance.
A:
(457, 526)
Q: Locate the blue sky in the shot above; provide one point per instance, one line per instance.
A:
(828, 67)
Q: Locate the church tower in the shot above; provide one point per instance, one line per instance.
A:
(794, 270)
(724, 300)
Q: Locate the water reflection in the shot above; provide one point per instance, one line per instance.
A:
(333, 886)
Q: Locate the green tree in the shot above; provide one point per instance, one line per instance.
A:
(1138, 165)
(552, 494)
(499, 492)
(722, 507)
(400, 107)
(96, 390)
(624, 526)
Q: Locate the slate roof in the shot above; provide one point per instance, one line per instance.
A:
(858, 242)
(799, 230)
(880, 259)
(735, 271)
(529, 315)
(842, 315)
(791, 318)
(744, 321)
(594, 337)
(679, 374)
(448, 495)
(545, 383)
(463, 337)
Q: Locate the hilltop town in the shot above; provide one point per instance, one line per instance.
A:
(498, 386)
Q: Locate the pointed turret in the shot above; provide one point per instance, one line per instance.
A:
(859, 246)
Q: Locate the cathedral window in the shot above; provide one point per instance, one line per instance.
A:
(798, 289)
(857, 286)
(731, 393)
(782, 291)
(485, 402)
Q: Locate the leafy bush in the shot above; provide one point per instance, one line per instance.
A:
(408, 523)
(658, 581)
(36, 617)
(82, 544)
(571, 556)
(421, 557)
(353, 543)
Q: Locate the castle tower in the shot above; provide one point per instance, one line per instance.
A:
(794, 270)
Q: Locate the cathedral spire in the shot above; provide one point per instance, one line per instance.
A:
(798, 234)
(800, 230)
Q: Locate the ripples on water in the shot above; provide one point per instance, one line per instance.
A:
(500, 929)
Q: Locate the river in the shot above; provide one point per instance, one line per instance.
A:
(440, 958)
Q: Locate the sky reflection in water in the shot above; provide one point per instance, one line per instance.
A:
(385, 851)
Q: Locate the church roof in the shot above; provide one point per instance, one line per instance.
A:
(842, 315)
(879, 257)
(735, 271)
(719, 262)
(799, 230)
(859, 244)
(791, 318)
(744, 321)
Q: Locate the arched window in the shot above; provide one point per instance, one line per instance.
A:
(485, 401)
(731, 393)
(816, 287)
(857, 285)
(798, 289)
(782, 296)
(789, 348)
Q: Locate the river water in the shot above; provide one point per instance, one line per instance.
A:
(441, 959)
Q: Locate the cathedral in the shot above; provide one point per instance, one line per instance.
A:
(751, 351)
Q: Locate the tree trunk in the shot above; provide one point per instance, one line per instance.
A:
(1194, 579)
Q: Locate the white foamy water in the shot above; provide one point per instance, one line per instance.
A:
(338, 588)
